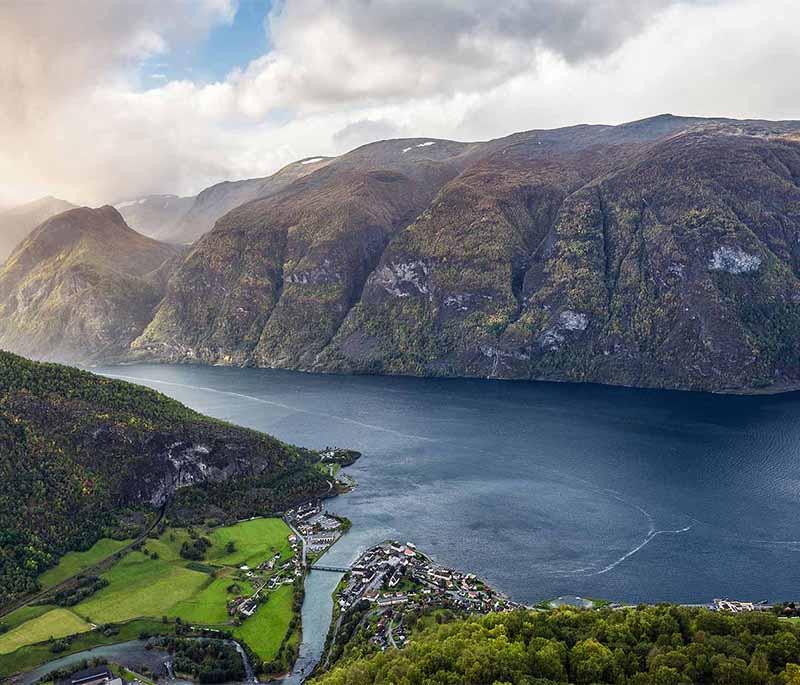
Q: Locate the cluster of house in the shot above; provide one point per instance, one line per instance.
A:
(396, 578)
(318, 528)
(737, 607)
(269, 575)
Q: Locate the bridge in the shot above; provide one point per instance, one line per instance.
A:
(332, 569)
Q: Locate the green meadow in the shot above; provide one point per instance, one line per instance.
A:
(265, 629)
(141, 586)
(208, 606)
(156, 581)
(254, 540)
(53, 623)
(75, 562)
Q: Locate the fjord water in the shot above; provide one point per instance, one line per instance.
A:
(543, 489)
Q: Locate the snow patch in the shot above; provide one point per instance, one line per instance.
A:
(733, 260)
(130, 203)
(411, 147)
(313, 160)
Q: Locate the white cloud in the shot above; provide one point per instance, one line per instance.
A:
(75, 119)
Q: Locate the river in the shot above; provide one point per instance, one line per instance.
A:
(542, 489)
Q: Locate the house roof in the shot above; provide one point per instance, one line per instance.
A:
(90, 674)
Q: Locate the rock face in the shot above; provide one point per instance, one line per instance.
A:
(81, 285)
(660, 253)
(275, 279)
(16, 223)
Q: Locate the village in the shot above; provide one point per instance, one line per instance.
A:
(396, 578)
(313, 532)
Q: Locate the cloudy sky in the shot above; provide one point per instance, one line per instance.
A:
(103, 100)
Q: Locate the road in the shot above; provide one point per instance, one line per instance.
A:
(300, 537)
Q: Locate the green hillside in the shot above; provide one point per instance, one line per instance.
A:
(84, 457)
(660, 645)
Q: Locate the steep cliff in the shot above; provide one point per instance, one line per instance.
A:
(660, 253)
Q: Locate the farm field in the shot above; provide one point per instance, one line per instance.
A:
(157, 581)
(75, 562)
(141, 586)
(265, 630)
(208, 606)
(53, 623)
(31, 656)
(255, 541)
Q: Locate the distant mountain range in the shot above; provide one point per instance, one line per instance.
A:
(184, 219)
(17, 222)
(660, 253)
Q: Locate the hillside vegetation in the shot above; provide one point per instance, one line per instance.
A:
(84, 457)
(661, 645)
(659, 253)
(82, 284)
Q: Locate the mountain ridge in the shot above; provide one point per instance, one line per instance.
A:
(17, 222)
(663, 252)
(82, 283)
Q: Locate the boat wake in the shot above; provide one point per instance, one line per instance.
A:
(273, 403)
(651, 534)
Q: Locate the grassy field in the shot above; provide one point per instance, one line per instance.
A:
(265, 629)
(143, 588)
(30, 657)
(209, 606)
(139, 587)
(255, 541)
(54, 623)
(18, 617)
(75, 562)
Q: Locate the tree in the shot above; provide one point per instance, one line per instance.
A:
(591, 662)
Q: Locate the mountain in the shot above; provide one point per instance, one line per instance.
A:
(82, 284)
(83, 456)
(659, 253)
(17, 222)
(155, 215)
(275, 278)
(219, 199)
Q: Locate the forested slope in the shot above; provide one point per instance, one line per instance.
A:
(83, 456)
(659, 645)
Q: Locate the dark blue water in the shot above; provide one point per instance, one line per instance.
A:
(545, 489)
